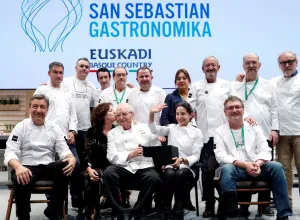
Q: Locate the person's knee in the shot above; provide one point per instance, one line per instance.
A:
(228, 169)
(170, 173)
(153, 177)
(109, 174)
(275, 166)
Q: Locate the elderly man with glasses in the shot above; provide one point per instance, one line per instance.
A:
(125, 153)
(245, 155)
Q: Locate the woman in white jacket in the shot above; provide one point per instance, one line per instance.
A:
(178, 177)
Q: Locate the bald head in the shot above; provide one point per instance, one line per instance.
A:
(253, 55)
(251, 66)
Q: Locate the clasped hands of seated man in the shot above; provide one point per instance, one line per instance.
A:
(252, 168)
(24, 174)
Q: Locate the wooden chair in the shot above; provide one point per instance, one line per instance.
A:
(40, 187)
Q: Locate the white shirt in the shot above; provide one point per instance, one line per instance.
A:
(61, 108)
(288, 96)
(35, 145)
(108, 95)
(207, 99)
(121, 142)
(261, 104)
(188, 140)
(83, 95)
(142, 102)
(255, 145)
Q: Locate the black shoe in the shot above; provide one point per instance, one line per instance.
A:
(268, 211)
(208, 213)
(126, 203)
(282, 218)
(130, 217)
(80, 217)
(244, 212)
(117, 217)
(50, 215)
(190, 207)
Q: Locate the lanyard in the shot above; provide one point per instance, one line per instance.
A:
(237, 145)
(181, 97)
(251, 90)
(121, 99)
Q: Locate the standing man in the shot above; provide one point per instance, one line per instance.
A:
(82, 91)
(30, 152)
(143, 97)
(245, 155)
(62, 112)
(207, 98)
(288, 95)
(118, 93)
(260, 100)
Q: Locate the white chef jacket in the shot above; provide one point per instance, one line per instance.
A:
(256, 146)
(61, 108)
(261, 104)
(142, 102)
(207, 99)
(187, 139)
(288, 96)
(107, 95)
(83, 95)
(121, 142)
(35, 145)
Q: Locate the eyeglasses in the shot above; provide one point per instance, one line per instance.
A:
(290, 62)
(86, 66)
(237, 107)
(124, 114)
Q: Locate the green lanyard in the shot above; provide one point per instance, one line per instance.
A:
(181, 97)
(251, 90)
(118, 102)
(237, 145)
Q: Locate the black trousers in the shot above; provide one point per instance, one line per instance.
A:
(116, 176)
(180, 182)
(210, 164)
(52, 171)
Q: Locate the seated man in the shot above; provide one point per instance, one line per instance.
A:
(244, 153)
(125, 153)
(30, 152)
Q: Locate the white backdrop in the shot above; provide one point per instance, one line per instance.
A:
(35, 33)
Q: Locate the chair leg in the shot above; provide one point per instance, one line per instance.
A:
(65, 208)
(9, 205)
(197, 202)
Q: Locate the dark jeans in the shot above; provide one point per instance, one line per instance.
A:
(209, 165)
(80, 144)
(116, 176)
(52, 171)
(75, 189)
(180, 182)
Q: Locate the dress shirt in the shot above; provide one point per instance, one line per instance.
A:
(288, 96)
(121, 142)
(187, 139)
(107, 95)
(35, 145)
(255, 145)
(61, 108)
(83, 95)
(261, 104)
(142, 102)
(207, 99)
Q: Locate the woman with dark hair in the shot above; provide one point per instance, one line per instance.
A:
(178, 177)
(95, 161)
(181, 94)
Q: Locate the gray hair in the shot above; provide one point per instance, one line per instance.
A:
(83, 58)
(53, 64)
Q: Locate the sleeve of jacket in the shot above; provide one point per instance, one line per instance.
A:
(262, 149)
(197, 147)
(13, 144)
(274, 110)
(220, 148)
(73, 116)
(159, 130)
(164, 118)
(115, 156)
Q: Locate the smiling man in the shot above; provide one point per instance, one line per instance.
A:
(143, 97)
(288, 93)
(245, 155)
(30, 152)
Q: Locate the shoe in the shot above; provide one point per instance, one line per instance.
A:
(282, 218)
(268, 211)
(208, 213)
(80, 217)
(244, 212)
(126, 203)
(190, 207)
(130, 217)
(118, 217)
(49, 215)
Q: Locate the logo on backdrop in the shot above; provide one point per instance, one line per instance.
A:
(50, 37)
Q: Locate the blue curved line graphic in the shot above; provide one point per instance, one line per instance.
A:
(60, 41)
(34, 39)
(29, 11)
